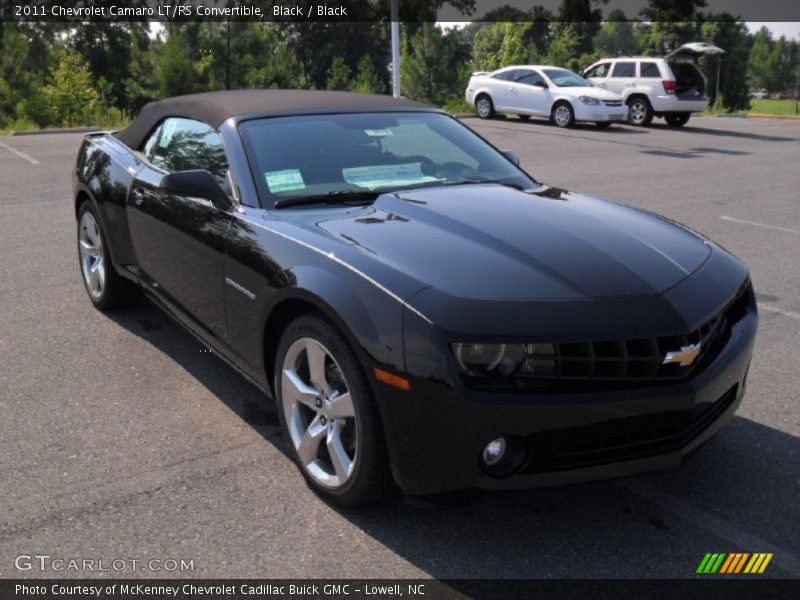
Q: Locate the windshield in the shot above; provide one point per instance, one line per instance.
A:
(564, 78)
(317, 155)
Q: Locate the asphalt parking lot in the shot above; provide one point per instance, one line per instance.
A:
(122, 439)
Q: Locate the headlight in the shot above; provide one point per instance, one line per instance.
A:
(589, 100)
(498, 360)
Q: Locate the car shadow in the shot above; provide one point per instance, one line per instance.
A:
(627, 128)
(657, 525)
(535, 122)
(760, 137)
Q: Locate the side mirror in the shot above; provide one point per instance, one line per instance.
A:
(512, 156)
(541, 84)
(196, 184)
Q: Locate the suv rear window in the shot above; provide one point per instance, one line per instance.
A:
(649, 69)
(624, 69)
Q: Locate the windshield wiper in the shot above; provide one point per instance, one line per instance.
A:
(336, 197)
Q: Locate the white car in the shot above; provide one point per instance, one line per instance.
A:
(543, 91)
(671, 87)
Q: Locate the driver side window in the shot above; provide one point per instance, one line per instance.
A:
(184, 145)
(600, 71)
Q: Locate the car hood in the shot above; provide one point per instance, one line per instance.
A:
(594, 92)
(493, 242)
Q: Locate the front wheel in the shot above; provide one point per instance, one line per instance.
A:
(484, 107)
(640, 112)
(677, 119)
(106, 289)
(326, 408)
(563, 115)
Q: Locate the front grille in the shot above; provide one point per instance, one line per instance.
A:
(612, 102)
(588, 366)
(625, 439)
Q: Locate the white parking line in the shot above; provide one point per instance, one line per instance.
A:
(787, 229)
(778, 311)
(721, 528)
(30, 159)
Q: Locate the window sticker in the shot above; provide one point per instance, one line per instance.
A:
(283, 181)
(378, 132)
(386, 175)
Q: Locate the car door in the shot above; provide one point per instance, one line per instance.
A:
(499, 85)
(598, 74)
(622, 77)
(179, 241)
(531, 95)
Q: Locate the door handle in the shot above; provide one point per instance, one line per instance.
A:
(138, 197)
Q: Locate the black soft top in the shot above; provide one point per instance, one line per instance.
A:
(214, 108)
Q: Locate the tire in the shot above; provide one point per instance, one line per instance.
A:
(677, 119)
(524, 117)
(106, 289)
(484, 107)
(562, 115)
(603, 124)
(318, 428)
(640, 112)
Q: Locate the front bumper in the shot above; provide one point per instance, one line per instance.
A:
(437, 430)
(600, 113)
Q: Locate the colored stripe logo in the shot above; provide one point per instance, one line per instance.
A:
(734, 563)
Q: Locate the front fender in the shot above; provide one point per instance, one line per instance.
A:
(370, 319)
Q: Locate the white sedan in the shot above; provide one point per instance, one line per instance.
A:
(543, 91)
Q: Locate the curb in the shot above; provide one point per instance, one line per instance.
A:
(779, 117)
(62, 130)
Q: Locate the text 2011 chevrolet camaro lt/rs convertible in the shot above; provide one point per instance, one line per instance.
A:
(421, 309)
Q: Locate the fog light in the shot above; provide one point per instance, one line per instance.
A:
(494, 451)
(503, 456)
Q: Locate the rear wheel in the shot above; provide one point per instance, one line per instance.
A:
(327, 410)
(562, 115)
(677, 119)
(640, 111)
(484, 107)
(603, 124)
(106, 289)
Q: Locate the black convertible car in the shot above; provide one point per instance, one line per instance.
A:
(421, 309)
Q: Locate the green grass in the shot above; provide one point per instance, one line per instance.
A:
(101, 118)
(458, 106)
(773, 107)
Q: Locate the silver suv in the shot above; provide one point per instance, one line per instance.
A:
(671, 87)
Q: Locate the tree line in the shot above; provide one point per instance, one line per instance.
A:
(57, 74)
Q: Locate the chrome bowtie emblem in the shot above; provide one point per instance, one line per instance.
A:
(685, 356)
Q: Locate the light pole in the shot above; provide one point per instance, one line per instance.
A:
(395, 16)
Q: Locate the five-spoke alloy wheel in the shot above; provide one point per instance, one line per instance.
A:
(90, 247)
(319, 412)
(106, 289)
(327, 410)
